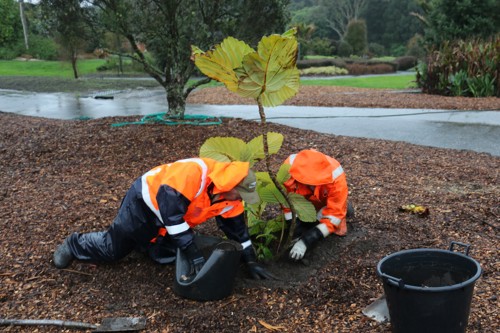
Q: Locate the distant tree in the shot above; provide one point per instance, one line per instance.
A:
(416, 47)
(356, 37)
(65, 17)
(339, 13)
(168, 28)
(304, 33)
(312, 15)
(461, 19)
(9, 24)
(299, 4)
(253, 19)
(392, 23)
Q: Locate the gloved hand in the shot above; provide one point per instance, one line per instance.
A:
(308, 239)
(196, 260)
(256, 270)
(298, 250)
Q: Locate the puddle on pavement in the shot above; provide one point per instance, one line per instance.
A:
(72, 106)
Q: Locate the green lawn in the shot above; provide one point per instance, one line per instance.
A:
(48, 68)
(378, 82)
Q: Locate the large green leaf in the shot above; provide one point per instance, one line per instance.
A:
(283, 173)
(256, 145)
(263, 178)
(304, 208)
(219, 63)
(224, 149)
(270, 194)
(267, 190)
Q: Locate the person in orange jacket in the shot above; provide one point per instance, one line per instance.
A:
(322, 181)
(162, 207)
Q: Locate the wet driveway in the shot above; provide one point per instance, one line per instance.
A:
(471, 130)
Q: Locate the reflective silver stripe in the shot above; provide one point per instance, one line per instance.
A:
(246, 244)
(145, 193)
(204, 172)
(337, 172)
(226, 209)
(333, 220)
(177, 229)
(324, 229)
(292, 158)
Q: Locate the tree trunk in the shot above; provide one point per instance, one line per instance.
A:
(176, 101)
(120, 64)
(23, 22)
(74, 56)
(120, 59)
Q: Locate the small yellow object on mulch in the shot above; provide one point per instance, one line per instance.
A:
(421, 211)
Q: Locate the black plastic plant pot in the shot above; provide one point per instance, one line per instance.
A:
(429, 290)
(215, 280)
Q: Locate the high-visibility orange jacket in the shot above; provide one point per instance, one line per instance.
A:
(179, 194)
(322, 181)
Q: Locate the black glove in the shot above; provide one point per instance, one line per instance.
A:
(196, 260)
(257, 272)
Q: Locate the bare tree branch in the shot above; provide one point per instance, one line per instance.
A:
(341, 12)
(196, 85)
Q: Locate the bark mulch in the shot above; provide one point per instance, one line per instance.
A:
(58, 177)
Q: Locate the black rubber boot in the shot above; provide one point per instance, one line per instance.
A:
(63, 256)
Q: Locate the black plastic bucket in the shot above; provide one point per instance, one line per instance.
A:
(215, 280)
(429, 290)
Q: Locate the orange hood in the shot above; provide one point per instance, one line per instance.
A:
(312, 168)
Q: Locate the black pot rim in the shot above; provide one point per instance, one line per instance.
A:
(400, 284)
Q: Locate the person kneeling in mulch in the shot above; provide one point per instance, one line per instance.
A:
(321, 180)
(161, 208)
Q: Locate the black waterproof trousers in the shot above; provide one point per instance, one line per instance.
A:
(133, 228)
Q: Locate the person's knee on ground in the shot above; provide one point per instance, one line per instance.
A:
(97, 247)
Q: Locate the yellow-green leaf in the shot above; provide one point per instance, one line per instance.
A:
(224, 149)
(274, 96)
(219, 63)
(263, 177)
(270, 73)
(256, 145)
(290, 33)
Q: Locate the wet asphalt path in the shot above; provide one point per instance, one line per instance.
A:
(471, 130)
